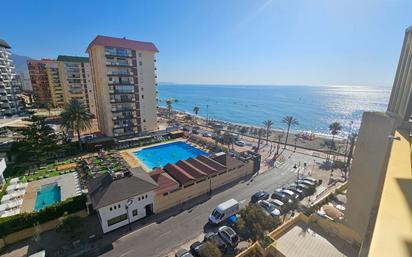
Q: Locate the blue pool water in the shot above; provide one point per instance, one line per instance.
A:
(47, 196)
(159, 156)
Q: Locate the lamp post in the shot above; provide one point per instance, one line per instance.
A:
(128, 203)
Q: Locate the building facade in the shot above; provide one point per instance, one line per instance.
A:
(10, 103)
(76, 80)
(55, 86)
(124, 78)
(39, 82)
(122, 198)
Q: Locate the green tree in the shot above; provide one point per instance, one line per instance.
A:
(217, 131)
(268, 124)
(38, 143)
(260, 132)
(243, 130)
(196, 110)
(227, 139)
(254, 222)
(352, 142)
(69, 225)
(289, 121)
(209, 249)
(169, 103)
(334, 129)
(76, 117)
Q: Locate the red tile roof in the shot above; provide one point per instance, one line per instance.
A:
(202, 166)
(165, 181)
(123, 43)
(192, 170)
(210, 162)
(178, 173)
(227, 160)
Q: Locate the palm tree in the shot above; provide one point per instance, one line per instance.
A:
(260, 132)
(196, 110)
(279, 136)
(228, 139)
(289, 121)
(169, 102)
(217, 132)
(352, 141)
(268, 124)
(334, 129)
(76, 117)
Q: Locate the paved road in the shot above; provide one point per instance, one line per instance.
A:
(158, 238)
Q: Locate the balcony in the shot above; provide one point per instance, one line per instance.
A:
(119, 64)
(118, 53)
(120, 73)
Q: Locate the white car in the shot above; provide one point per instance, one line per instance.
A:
(269, 208)
(228, 235)
(240, 143)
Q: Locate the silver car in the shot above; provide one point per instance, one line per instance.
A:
(269, 208)
(228, 235)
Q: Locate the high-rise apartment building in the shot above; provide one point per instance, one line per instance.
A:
(45, 80)
(40, 82)
(124, 78)
(10, 103)
(380, 182)
(76, 80)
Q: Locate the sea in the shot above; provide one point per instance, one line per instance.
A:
(315, 107)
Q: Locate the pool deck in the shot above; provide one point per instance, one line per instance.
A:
(67, 186)
(133, 161)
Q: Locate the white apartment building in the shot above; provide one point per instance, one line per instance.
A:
(124, 78)
(10, 104)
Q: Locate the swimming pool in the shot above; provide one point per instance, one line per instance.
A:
(160, 155)
(48, 195)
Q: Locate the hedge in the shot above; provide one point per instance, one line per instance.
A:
(21, 221)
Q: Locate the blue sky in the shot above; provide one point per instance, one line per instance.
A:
(315, 42)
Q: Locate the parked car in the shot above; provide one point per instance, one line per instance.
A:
(240, 143)
(308, 190)
(228, 235)
(217, 240)
(269, 208)
(186, 129)
(183, 253)
(280, 195)
(279, 205)
(195, 248)
(307, 182)
(261, 195)
(195, 131)
(316, 181)
(291, 194)
(207, 134)
(223, 211)
(297, 191)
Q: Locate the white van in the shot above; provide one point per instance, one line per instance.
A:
(224, 211)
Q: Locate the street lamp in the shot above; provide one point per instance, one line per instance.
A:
(128, 203)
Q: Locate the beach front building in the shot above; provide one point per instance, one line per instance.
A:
(380, 182)
(76, 80)
(39, 82)
(10, 104)
(123, 73)
(122, 197)
(55, 86)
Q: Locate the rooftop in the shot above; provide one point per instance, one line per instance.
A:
(4, 44)
(304, 240)
(67, 58)
(123, 43)
(105, 189)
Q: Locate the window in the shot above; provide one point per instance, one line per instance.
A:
(140, 54)
(146, 196)
(115, 207)
(111, 208)
(142, 96)
(138, 199)
(117, 219)
(144, 120)
(134, 213)
(118, 206)
(140, 63)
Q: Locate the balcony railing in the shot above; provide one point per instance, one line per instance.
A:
(120, 64)
(118, 53)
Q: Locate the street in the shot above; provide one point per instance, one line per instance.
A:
(158, 238)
